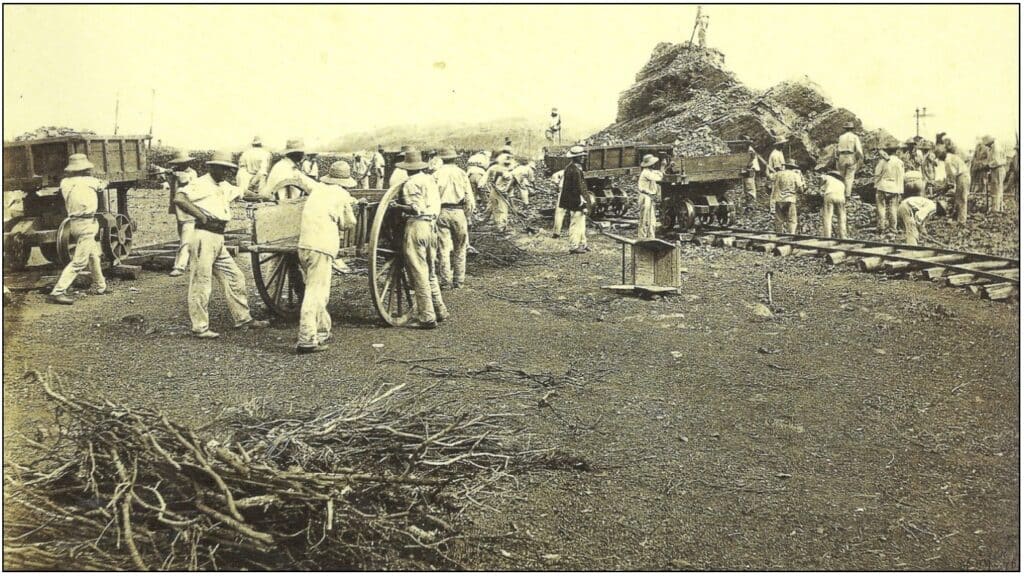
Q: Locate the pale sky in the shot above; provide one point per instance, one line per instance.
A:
(225, 73)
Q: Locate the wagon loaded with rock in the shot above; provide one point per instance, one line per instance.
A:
(35, 168)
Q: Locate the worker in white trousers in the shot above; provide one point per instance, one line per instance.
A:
(81, 199)
(421, 203)
(650, 195)
(834, 202)
(452, 223)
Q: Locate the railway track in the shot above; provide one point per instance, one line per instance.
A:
(988, 276)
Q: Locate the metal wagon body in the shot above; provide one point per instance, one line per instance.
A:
(604, 163)
(695, 190)
(36, 167)
(375, 244)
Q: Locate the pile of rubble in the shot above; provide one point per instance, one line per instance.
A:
(686, 96)
(51, 132)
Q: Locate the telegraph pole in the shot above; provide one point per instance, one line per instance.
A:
(920, 113)
(117, 110)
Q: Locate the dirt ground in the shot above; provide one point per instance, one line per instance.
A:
(869, 424)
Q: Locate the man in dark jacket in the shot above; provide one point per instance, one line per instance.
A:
(574, 200)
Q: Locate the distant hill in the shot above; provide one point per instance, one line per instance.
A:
(527, 137)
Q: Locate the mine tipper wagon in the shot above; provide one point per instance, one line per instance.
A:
(696, 190)
(604, 163)
(36, 167)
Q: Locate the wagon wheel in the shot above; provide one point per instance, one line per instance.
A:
(289, 190)
(726, 216)
(117, 232)
(65, 249)
(619, 203)
(279, 280)
(687, 215)
(390, 285)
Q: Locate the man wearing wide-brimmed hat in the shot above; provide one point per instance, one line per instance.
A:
(650, 196)
(776, 160)
(421, 203)
(574, 199)
(958, 181)
(208, 199)
(834, 201)
(327, 212)
(888, 188)
(253, 166)
(500, 184)
(81, 199)
(786, 185)
(288, 169)
(398, 175)
(457, 201)
(849, 155)
(181, 175)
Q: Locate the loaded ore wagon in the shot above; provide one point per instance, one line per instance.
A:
(36, 167)
(603, 164)
(695, 190)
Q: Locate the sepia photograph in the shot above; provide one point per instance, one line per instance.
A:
(533, 287)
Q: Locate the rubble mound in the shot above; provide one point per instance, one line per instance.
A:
(685, 95)
(51, 132)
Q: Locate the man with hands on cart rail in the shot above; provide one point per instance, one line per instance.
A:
(208, 199)
(80, 191)
(328, 210)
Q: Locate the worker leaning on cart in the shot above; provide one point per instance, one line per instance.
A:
(208, 199)
(288, 169)
(327, 211)
(80, 191)
(420, 200)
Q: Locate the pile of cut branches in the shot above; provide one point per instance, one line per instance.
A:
(382, 482)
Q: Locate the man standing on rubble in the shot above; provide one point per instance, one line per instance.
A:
(81, 193)
(574, 199)
(776, 160)
(750, 180)
(327, 212)
(554, 127)
(452, 223)
(958, 181)
(420, 201)
(996, 173)
(253, 166)
(287, 169)
(786, 185)
(850, 154)
(888, 188)
(208, 199)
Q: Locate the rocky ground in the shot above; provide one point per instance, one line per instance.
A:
(863, 423)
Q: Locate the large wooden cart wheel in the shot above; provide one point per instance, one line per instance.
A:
(279, 281)
(116, 232)
(687, 215)
(65, 244)
(390, 284)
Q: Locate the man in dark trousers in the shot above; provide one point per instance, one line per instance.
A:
(574, 200)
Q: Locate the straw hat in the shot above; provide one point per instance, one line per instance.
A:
(407, 148)
(649, 161)
(413, 161)
(836, 174)
(223, 159)
(181, 158)
(257, 141)
(447, 153)
(78, 162)
(576, 151)
(792, 165)
(294, 146)
(340, 174)
(987, 139)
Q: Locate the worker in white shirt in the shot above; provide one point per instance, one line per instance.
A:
(288, 169)
(181, 175)
(776, 160)
(554, 130)
(482, 158)
(434, 164)
(888, 188)
(524, 175)
(208, 199)
(834, 197)
(377, 167)
(398, 174)
(996, 174)
(81, 199)
(914, 212)
(750, 179)
(327, 212)
(650, 196)
(958, 181)
(477, 173)
(849, 155)
(786, 185)
(361, 171)
(253, 166)
(420, 200)
(452, 222)
(556, 230)
(500, 184)
(311, 166)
